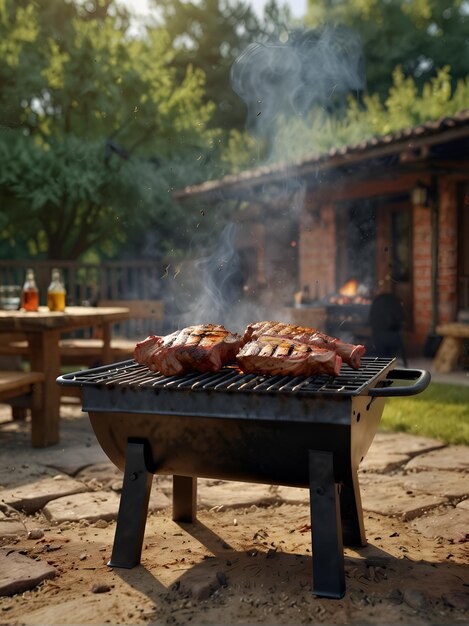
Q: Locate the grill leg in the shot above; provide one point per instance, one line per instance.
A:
(133, 507)
(352, 514)
(184, 498)
(326, 528)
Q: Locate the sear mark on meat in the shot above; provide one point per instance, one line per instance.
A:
(266, 348)
(269, 354)
(349, 353)
(203, 348)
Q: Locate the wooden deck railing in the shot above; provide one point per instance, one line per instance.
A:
(88, 282)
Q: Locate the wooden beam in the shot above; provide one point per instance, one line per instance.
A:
(337, 192)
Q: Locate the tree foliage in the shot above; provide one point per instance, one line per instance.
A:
(318, 132)
(96, 129)
(97, 125)
(421, 36)
(416, 64)
(210, 35)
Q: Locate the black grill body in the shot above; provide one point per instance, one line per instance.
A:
(305, 432)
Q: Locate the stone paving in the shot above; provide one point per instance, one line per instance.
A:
(411, 478)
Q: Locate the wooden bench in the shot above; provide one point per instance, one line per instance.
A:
(451, 349)
(22, 390)
(13, 344)
(145, 317)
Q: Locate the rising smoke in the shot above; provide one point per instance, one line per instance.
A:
(217, 287)
(313, 70)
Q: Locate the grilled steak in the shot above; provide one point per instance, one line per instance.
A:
(204, 348)
(280, 355)
(349, 353)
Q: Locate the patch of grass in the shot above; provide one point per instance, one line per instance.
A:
(70, 369)
(441, 412)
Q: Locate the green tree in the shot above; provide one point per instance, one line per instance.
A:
(96, 129)
(419, 36)
(318, 132)
(210, 35)
(407, 106)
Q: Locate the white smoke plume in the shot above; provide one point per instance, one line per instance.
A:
(217, 287)
(313, 69)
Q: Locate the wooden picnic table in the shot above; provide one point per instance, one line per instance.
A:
(43, 330)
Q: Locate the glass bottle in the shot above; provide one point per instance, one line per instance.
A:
(30, 293)
(56, 292)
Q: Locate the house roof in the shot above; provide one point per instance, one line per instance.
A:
(408, 139)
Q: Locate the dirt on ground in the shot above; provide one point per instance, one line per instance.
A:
(238, 566)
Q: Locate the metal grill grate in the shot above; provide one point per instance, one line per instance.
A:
(129, 374)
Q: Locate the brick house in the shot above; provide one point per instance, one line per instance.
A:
(391, 212)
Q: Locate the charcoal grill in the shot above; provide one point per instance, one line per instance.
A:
(346, 318)
(296, 431)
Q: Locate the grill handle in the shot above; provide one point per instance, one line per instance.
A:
(422, 380)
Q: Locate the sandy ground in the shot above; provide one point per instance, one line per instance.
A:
(239, 567)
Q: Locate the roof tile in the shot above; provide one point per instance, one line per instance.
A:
(429, 128)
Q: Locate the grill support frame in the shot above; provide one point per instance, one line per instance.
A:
(326, 527)
(133, 506)
(184, 499)
(143, 444)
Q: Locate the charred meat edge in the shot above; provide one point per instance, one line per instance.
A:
(204, 347)
(270, 354)
(350, 353)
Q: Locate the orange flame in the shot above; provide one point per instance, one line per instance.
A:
(350, 288)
